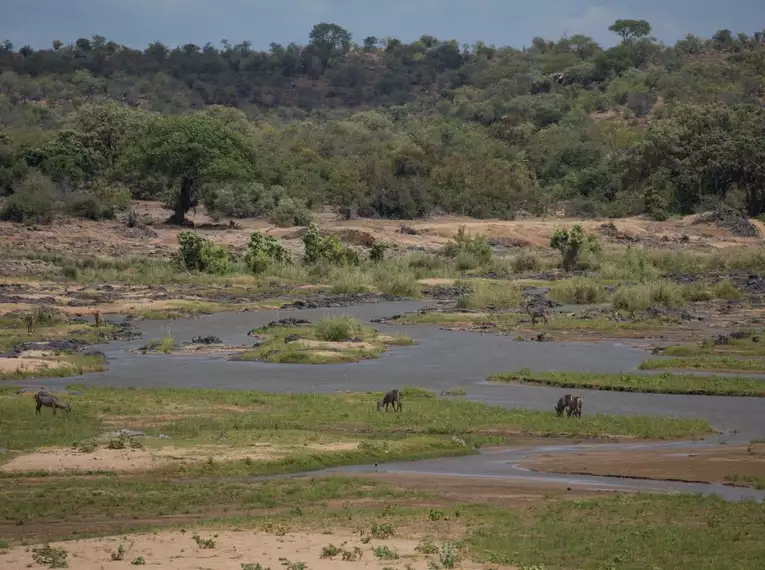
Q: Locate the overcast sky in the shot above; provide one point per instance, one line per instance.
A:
(502, 22)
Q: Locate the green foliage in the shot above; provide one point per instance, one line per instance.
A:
(263, 250)
(471, 250)
(33, 201)
(511, 130)
(200, 254)
(189, 151)
(337, 328)
(571, 244)
(51, 557)
(377, 253)
(327, 248)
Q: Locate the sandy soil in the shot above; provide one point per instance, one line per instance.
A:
(711, 465)
(177, 550)
(326, 346)
(125, 460)
(29, 364)
(83, 237)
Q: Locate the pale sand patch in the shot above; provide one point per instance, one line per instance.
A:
(125, 460)
(30, 364)
(434, 281)
(334, 346)
(176, 550)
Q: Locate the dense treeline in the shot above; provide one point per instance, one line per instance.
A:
(383, 128)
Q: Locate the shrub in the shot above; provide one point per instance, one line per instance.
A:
(377, 253)
(476, 247)
(290, 212)
(263, 250)
(327, 248)
(572, 243)
(33, 201)
(200, 254)
(337, 328)
(581, 291)
(643, 296)
(90, 207)
(500, 295)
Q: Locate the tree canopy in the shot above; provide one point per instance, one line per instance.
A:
(392, 129)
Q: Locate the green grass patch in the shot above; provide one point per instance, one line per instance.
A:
(718, 363)
(648, 383)
(580, 291)
(61, 366)
(625, 531)
(490, 295)
(331, 340)
(237, 418)
(746, 481)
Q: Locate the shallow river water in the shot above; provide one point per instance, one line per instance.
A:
(442, 360)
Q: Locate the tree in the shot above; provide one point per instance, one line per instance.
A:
(109, 125)
(331, 41)
(369, 43)
(583, 46)
(630, 29)
(189, 151)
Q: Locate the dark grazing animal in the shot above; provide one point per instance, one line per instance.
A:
(50, 401)
(575, 406)
(562, 404)
(537, 311)
(391, 398)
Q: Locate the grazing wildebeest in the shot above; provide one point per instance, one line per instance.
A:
(575, 406)
(50, 401)
(391, 398)
(537, 310)
(562, 404)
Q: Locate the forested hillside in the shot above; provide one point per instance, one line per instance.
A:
(383, 128)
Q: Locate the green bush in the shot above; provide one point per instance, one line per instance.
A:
(337, 328)
(90, 207)
(33, 201)
(327, 248)
(263, 250)
(377, 253)
(475, 249)
(572, 244)
(290, 212)
(200, 254)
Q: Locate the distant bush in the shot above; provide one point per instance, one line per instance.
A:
(200, 254)
(471, 250)
(90, 207)
(33, 201)
(263, 250)
(572, 244)
(327, 248)
(290, 212)
(337, 328)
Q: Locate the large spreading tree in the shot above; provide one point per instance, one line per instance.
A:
(189, 152)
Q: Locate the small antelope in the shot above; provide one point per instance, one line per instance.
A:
(391, 398)
(50, 401)
(30, 319)
(99, 319)
(537, 311)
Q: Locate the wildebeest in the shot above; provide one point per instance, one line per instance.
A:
(562, 404)
(391, 398)
(49, 400)
(571, 404)
(537, 311)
